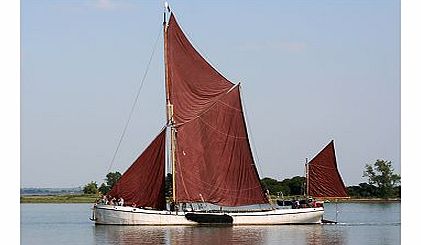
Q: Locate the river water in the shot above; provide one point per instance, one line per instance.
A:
(70, 224)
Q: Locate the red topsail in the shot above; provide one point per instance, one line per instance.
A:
(214, 162)
(324, 178)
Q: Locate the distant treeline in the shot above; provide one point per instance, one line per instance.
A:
(295, 187)
(365, 190)
(50, 191)
(286, 187)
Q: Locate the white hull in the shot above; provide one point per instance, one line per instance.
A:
(119, 215)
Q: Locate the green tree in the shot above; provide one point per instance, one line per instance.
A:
(112, 178)
(296, 185)
(104, 189)
(293, 186)
(381, 175)
(272, 185)
(91, 188)
(363, 190)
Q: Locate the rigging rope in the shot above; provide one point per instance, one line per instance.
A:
(135, 100)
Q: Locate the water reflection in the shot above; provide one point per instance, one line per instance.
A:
(303, 234)
(113, 234)
(201, 234)
(326, 234)
(179, 235)
(370, 224)
(289, 234)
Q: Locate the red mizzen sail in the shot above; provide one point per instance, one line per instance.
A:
(214, 162)
(143, 183)
(324, 178)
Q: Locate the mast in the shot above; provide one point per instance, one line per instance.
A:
(307, 180)
(169, 105)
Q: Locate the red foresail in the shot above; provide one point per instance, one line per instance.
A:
(323, 174)
(143, 183)
(214, 162)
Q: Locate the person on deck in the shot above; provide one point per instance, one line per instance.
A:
(113, 201)
(313, 203)
(120, 201)
(104, 200)
(296, 204)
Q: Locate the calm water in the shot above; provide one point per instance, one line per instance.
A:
(70, 224)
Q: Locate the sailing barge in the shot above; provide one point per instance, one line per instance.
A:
(209, 150)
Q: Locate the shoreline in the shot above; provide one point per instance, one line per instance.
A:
(66, 198)
(82, 198)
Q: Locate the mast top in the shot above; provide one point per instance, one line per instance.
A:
(166, 10)
(167, 7)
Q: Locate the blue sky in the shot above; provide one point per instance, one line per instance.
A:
(311, 71)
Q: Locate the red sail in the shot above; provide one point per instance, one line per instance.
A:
(143, 183)
(214, 162)
(323, 174)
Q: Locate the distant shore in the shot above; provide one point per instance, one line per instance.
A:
(82, 198)
(67, 198)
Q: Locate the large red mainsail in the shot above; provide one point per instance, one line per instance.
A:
(324, 178)
(214, 162)
(143, 183)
